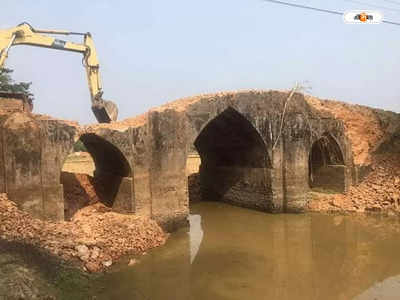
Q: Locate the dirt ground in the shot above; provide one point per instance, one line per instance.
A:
(79, 162)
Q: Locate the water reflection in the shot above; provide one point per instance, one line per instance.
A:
(388, 289)
(195, 234)
(235, 253)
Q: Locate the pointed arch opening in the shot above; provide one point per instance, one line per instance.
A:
(234, 163)
(96, 171)
(326, 165)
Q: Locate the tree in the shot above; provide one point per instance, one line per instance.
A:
(7, 84)
(80, 147)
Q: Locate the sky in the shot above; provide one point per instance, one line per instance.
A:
(156, 51)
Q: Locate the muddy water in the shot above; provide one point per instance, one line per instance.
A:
(235, 253)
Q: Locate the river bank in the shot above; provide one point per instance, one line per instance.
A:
(30, 272)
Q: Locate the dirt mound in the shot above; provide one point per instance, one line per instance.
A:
(79, 191)
(136, 121)
(379, 192)
(365, 127)
(93, 239)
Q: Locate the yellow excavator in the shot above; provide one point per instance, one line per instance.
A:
(24, 34)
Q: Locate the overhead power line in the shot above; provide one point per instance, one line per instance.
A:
(306, 7)
(319, 9)
(392, 1)
(373, 5)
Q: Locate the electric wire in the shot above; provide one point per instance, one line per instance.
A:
(392, 1)
(306, 7)
(319, 9)
(373, 5)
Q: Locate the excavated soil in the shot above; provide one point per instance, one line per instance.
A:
(80, 187)
(366, 128)
(79, 191)
(93, 239)
(373, 135)
(379, 191)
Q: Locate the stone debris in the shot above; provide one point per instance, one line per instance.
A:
(79, 191)
(379, 191)
(107, 263)
(132, 262)
(95, 253)
(83, 252)
(94, 238)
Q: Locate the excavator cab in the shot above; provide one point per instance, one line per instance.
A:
(105, 111)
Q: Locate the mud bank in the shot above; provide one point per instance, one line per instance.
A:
(93, 239)
(30, 272)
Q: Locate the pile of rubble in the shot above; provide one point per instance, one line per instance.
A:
(379, 191)
(366, 128)
(94, 238)
(79, 191)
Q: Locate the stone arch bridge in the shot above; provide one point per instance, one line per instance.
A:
(250, 155)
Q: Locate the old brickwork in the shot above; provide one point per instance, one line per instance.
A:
(248, 156)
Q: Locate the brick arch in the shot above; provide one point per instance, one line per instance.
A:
(246, 112)
(327, 164)
(107, 157)
(332, 147)
(112, 179)
(230, 130)
(234, 162)
(105, 153)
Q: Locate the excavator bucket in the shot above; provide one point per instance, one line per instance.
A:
(105, 111)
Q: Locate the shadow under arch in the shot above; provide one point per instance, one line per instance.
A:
(235, 166)
(107, 157)
(326, 164)
(110, 184)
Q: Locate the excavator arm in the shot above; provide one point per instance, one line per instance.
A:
(24, 34)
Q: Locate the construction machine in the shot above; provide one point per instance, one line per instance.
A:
(24, 34)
